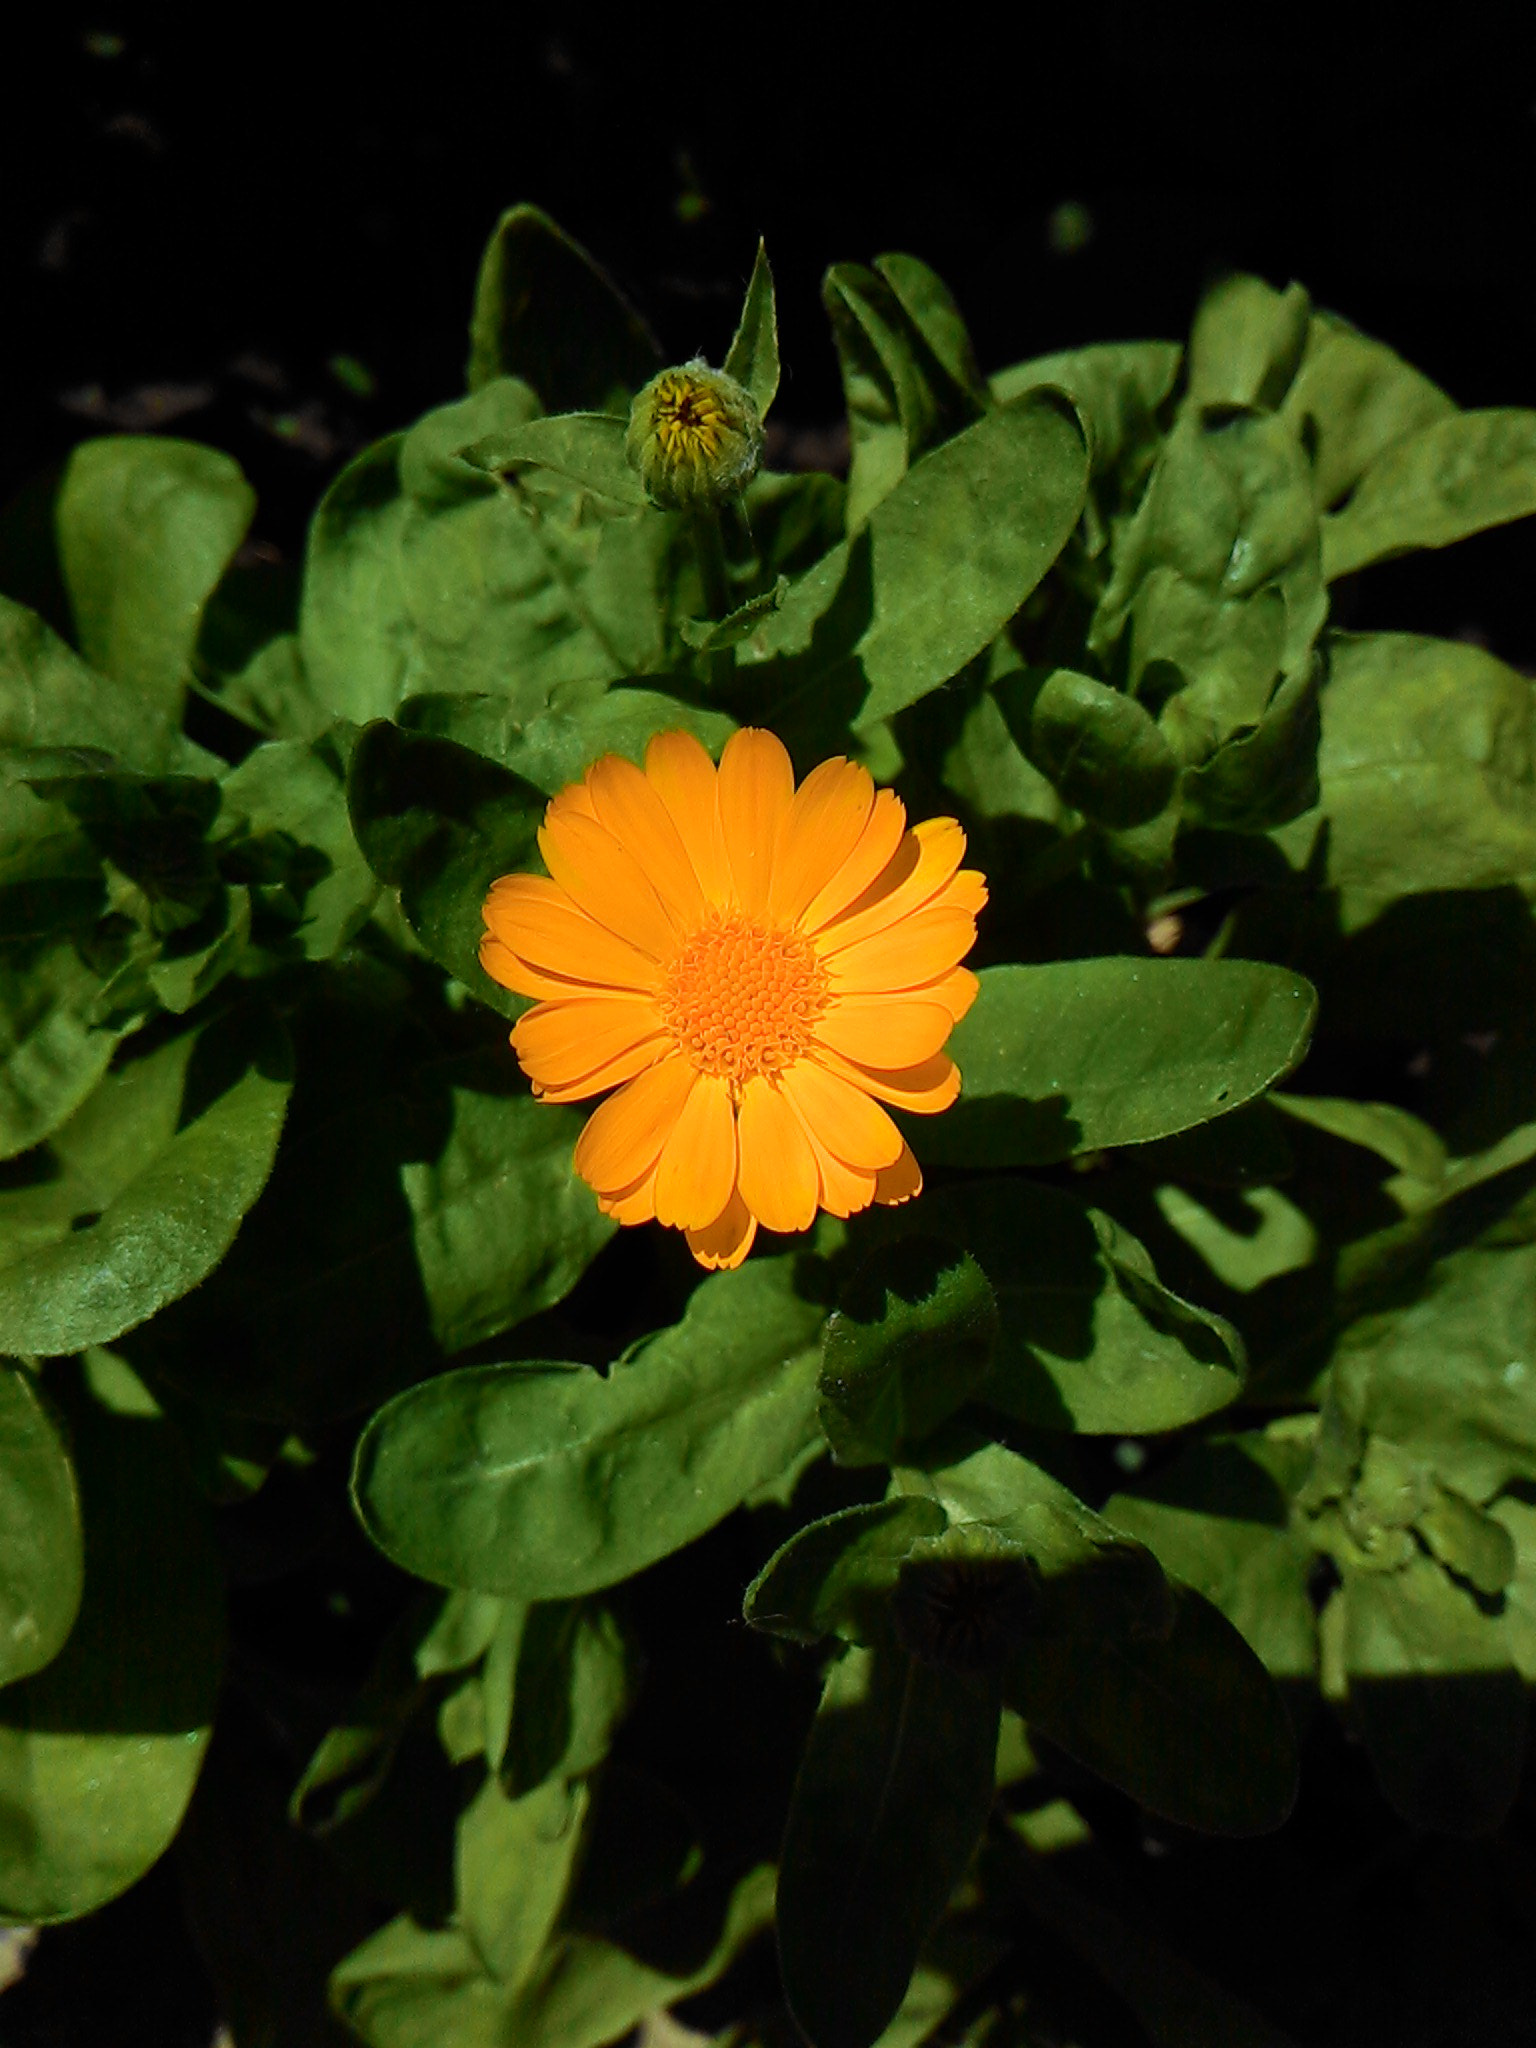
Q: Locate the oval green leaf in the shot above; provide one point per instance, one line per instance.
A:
(1078, 1055)
(41, 1553)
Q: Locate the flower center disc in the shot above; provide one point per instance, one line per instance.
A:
(741, 999)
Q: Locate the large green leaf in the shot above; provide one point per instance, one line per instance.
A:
(146, 528)
(911, 1338)
(408, 1987)
(546, 313)
(40, 1540)
(99, 1752)
(1354, 398)
(548, 1480)
(1077, 1055)
(1454, 476)
(283, 827)
(354, 643)
(944, 562)
(441, 824)
(50, 698)
(514, 575)
(892, 1795)
(1451, 1377)
(1219, 1518)
(1427, 775)
(559, 745)
(55, 1045)
(1434, 1693)
(139, 1196)
(1088, 1338)
(1120, 387)
(835, 1576)
(419, 1205)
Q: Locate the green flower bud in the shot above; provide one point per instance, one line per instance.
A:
(695, 436)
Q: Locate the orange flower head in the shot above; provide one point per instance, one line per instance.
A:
(752, 969)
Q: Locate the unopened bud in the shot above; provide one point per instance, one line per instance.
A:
(695, 436)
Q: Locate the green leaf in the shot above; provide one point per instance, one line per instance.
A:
(835, 1576)
(1189, 1724)
(943, 563)
(892, 1795)
(441, 824)
(1352, 399)
(40, 1541)
(1264, 773)
(1435, 1697)
(545, 312)
(1101, 749)
(1077, 1055)
(1451, 1378)
(49, 698)
(1219, 1519)
(892, 411)
(548, 1481)
(706, 637)
(419, 1205)
(1404, 1141)
(911, 1338)
(1246, 343)
(283, 828)
(408, 1987)
(1427, 777)
(1088, 1337)
(1119, 388)
(99, 1752)
(354, 642)
(558, 746)
(930, 306)
(146, 528)
(1217, 591)
(557, 1683)
(514, 1865)
(54, 1044)
(522, 583)
(753, 357)
(1455, 476)
(140, 1194)
(586, 447)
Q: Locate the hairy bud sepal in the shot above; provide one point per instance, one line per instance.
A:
(695, 436)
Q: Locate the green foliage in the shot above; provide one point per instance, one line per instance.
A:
(1181, 1408)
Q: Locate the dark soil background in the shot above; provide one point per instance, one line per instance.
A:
(260, 228)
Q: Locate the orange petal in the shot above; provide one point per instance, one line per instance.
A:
(559, 1042)
(624, 1066)
(779, 1182)
(844, 1190)
(601, 878)
(727, 1240)
(842, 1115)
(877, 846)
(968, 891)
(920, 948)
(937, 847)
(635, 1204)
(636, 816)
(623, 1137)
(899, 1183)
(697, 1170)
(534, 918)
(926, 1088)
(885, 1031)
(575, 800)
(514, 974)
(756, 789)
(683, 776)
(824, 824)
(956, 990)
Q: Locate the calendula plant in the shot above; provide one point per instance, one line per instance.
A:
(892, 1390)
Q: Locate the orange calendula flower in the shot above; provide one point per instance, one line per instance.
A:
(753, 969)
